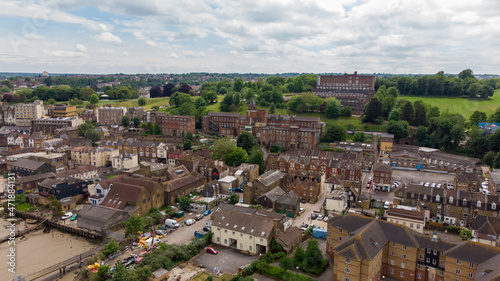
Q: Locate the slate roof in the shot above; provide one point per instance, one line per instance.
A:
(28, 164)
(486, 225)
(120, 195)
(251, 224)
(35, 177)
(97, 212)
(270, 177)
(350, 222)
(289, 236)
(290, 198)
(181, 182)
(380, 167)
(473, 252)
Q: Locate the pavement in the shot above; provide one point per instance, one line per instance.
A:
(228, 260)
(185, 233)
(309, 210)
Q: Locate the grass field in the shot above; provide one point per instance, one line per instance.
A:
(130, 103)
(461, 105)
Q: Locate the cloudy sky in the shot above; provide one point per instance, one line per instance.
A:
(262, 36)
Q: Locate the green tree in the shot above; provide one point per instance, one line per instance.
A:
(211, 96)
(179, 98)
(199, 102)
(465, 234)
(346, 111)
(299, 256)
(257, 157)
(467, 73)
(400, 129)
(407, 113)
(185, 202)
(394, 115)
(94, 99)
(286, 263)
(187, 108)
(393, 91)
(55, 206)
(494, 141)
(420, 116)
(236, 157)
(133, 225)
(189, 136)
(477, 117)
(359, 137)
(121, 273)
(272, 108)
(334, 132)
(373, 110)
(125, 121)
(234, 198)
(111, 247)
(52, 101)
(477, 142)
(187, 144)
(238, 85)
(488, 158)
(246, 141)
(93, 135)
(83, 128)
(222, 147)
(136, 121)
(332, 109)
(141, 101)
(86, 93)
(313, 255)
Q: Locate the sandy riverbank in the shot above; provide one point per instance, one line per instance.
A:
(39, 250)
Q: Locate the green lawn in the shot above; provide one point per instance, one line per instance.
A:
(461, 105)
(130, 103)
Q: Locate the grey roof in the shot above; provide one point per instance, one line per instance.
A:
(28, 164)
(270, 177)
(97, 212)
(274, 193)
(289, 198)
(486, 225)
(251, 224)
(350, 222)
(35, 178)
(473, 252)
(488, 270)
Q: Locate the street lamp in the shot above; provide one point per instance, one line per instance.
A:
(297, 273)
(260, 260)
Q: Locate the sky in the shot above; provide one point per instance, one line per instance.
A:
(249, 36)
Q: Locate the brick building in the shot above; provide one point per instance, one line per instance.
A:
(176, 125)
(50, 125)
(108, 115)
(350, 89)
(89, 115)
(25, 112)
(382, 177)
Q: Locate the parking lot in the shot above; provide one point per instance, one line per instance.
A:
(185, 233)
(417, 176)
(228, 260)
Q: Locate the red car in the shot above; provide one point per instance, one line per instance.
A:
(212, 250)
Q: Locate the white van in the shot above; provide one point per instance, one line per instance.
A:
(386, 205)
(171, 223)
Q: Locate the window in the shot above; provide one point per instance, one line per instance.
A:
(420, 267)
(393, 253)
(392, 270)
(429, 251)
(470, 275)
(218, 239)
(427, 260)
(471, 265)
(404, 247)
(403, 256)
(421, 257)
(340, 238)
(403, 265)
(347, 270)
(419, 276)
(402, 274)
(493, 206)
(346, 279)
(479, 204)
(457, 271)
(392, 262)
(394, 244)
(442, 263)
(250, 248)
(441, 273)
(459, 262)
(347, 260)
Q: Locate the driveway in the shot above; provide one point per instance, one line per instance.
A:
(306, 216)
(228, 260)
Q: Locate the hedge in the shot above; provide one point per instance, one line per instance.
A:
(278, 273)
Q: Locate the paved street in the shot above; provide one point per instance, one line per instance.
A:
(306, 216)
(228, 260)
(184, 233)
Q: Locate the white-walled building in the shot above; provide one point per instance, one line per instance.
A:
(412, 217)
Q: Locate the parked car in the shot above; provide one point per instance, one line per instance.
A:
(439, 185)
(212, 251)
(368, 186)
(303, 201)
(198, 217)
(90, 181)
(190, 222)
(314, 216)
(304, 225)
(303, 229)
(207, 212)
(397, 183)
(433, 184)
(171, 223)
(427, 184)
(207, 228)
(98, 179)
(320, 217)
(386, 205)
(74, 217)
(67, 216)
(302, 210)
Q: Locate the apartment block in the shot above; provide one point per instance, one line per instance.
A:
(108, 115)
(25, 112)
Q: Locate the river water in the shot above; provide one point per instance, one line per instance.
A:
(39, 250)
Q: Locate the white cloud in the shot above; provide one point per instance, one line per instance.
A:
(63, 54)
(193, 54)
(174, 56)
(34, 36)
(108, 37)
(81, 48)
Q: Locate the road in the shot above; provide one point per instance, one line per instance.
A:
(306, 216)
(184, 233)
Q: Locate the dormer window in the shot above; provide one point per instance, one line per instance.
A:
(437, 198)
(464, 202)
(479, 204)
(493, 206)
(451, 200)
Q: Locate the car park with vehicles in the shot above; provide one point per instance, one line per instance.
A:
(198, 217)
(314, 216)
(74, 217)
(190, 222)
(67, 216)
(212, 251)
(207, 212)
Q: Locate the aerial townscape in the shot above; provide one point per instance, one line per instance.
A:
(161, 141)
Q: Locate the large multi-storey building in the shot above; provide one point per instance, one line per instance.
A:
(25, 112)
(350, 89)
(176, 124)
(50, 125)
(62, 110)
(368, 249)
(108, 115)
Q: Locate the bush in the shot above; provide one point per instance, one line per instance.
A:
(278, 273)
(278, 255)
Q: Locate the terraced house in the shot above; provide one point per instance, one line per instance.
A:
(368, 249)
